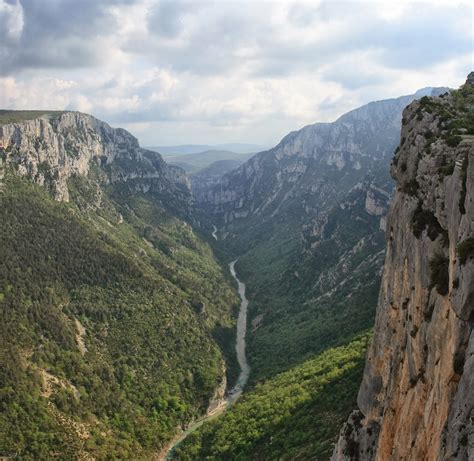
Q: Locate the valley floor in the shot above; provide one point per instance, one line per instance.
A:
(234, 394)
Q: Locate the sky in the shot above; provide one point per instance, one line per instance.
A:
(181, 72)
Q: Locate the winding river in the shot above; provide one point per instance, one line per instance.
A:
(237, 390)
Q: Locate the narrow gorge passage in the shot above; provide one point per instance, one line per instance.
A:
(244, 374)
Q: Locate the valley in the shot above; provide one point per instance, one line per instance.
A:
(237, 390)
(236, 231)
(146, 316)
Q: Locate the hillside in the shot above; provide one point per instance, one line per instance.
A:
(415, 401)
(292, 416)
(211, 175)
(104, 291)
(306, 220)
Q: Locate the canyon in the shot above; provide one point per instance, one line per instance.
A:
(124, 327)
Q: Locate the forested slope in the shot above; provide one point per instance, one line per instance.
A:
(102, 297)
(292, 416)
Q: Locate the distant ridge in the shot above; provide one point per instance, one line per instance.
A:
(239, 148)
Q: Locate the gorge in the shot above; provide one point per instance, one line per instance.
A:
(134, 307)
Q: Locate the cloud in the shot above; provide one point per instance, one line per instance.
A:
(11, 22)
(225, 69)
(56, 33)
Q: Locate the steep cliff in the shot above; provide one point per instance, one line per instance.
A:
(324, 160)
(416, 400)
(53, 147)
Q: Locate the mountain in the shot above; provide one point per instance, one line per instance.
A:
(194, 163)
(210, 176)
(185, 149)
(416, 398)
(116, 316)
(306, 220)
(53, 148)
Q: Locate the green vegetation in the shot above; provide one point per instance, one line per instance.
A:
(446, 168)
(290, 287)
(130, 274)
(466, 250)
(455, 113)
(453, 140)
(462, 195)
(425, 219)
(15, 116)
(295, 415)
(439, 274)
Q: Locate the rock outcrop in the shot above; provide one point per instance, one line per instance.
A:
(52, 148)
(416, 401)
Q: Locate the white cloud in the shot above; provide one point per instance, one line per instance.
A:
(181, 71)
(12, 21)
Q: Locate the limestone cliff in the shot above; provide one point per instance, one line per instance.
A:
(54, 147)
(416, 401)
(314, 166)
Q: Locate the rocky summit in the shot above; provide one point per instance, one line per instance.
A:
(53, 147)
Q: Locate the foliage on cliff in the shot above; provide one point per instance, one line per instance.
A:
(102, 348)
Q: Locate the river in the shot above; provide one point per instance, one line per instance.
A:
(237, 390)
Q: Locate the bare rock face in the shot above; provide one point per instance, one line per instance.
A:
(470, 79)
(51, 149)
(416, 401)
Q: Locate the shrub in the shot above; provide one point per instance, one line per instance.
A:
(411, 187)
(466, 250)
(439, 274)
(446, 170)
(453, 140)
(424, 219)
(462, 196)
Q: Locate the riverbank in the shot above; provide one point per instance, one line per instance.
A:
(236, 391)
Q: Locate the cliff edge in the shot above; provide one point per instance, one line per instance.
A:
(416, 400)
(50, 148)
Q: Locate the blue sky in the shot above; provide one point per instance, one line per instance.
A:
(176, 72)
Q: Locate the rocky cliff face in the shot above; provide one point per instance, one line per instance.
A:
(417, 396)
(207, 178)
(53, 148)
(324, 160)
